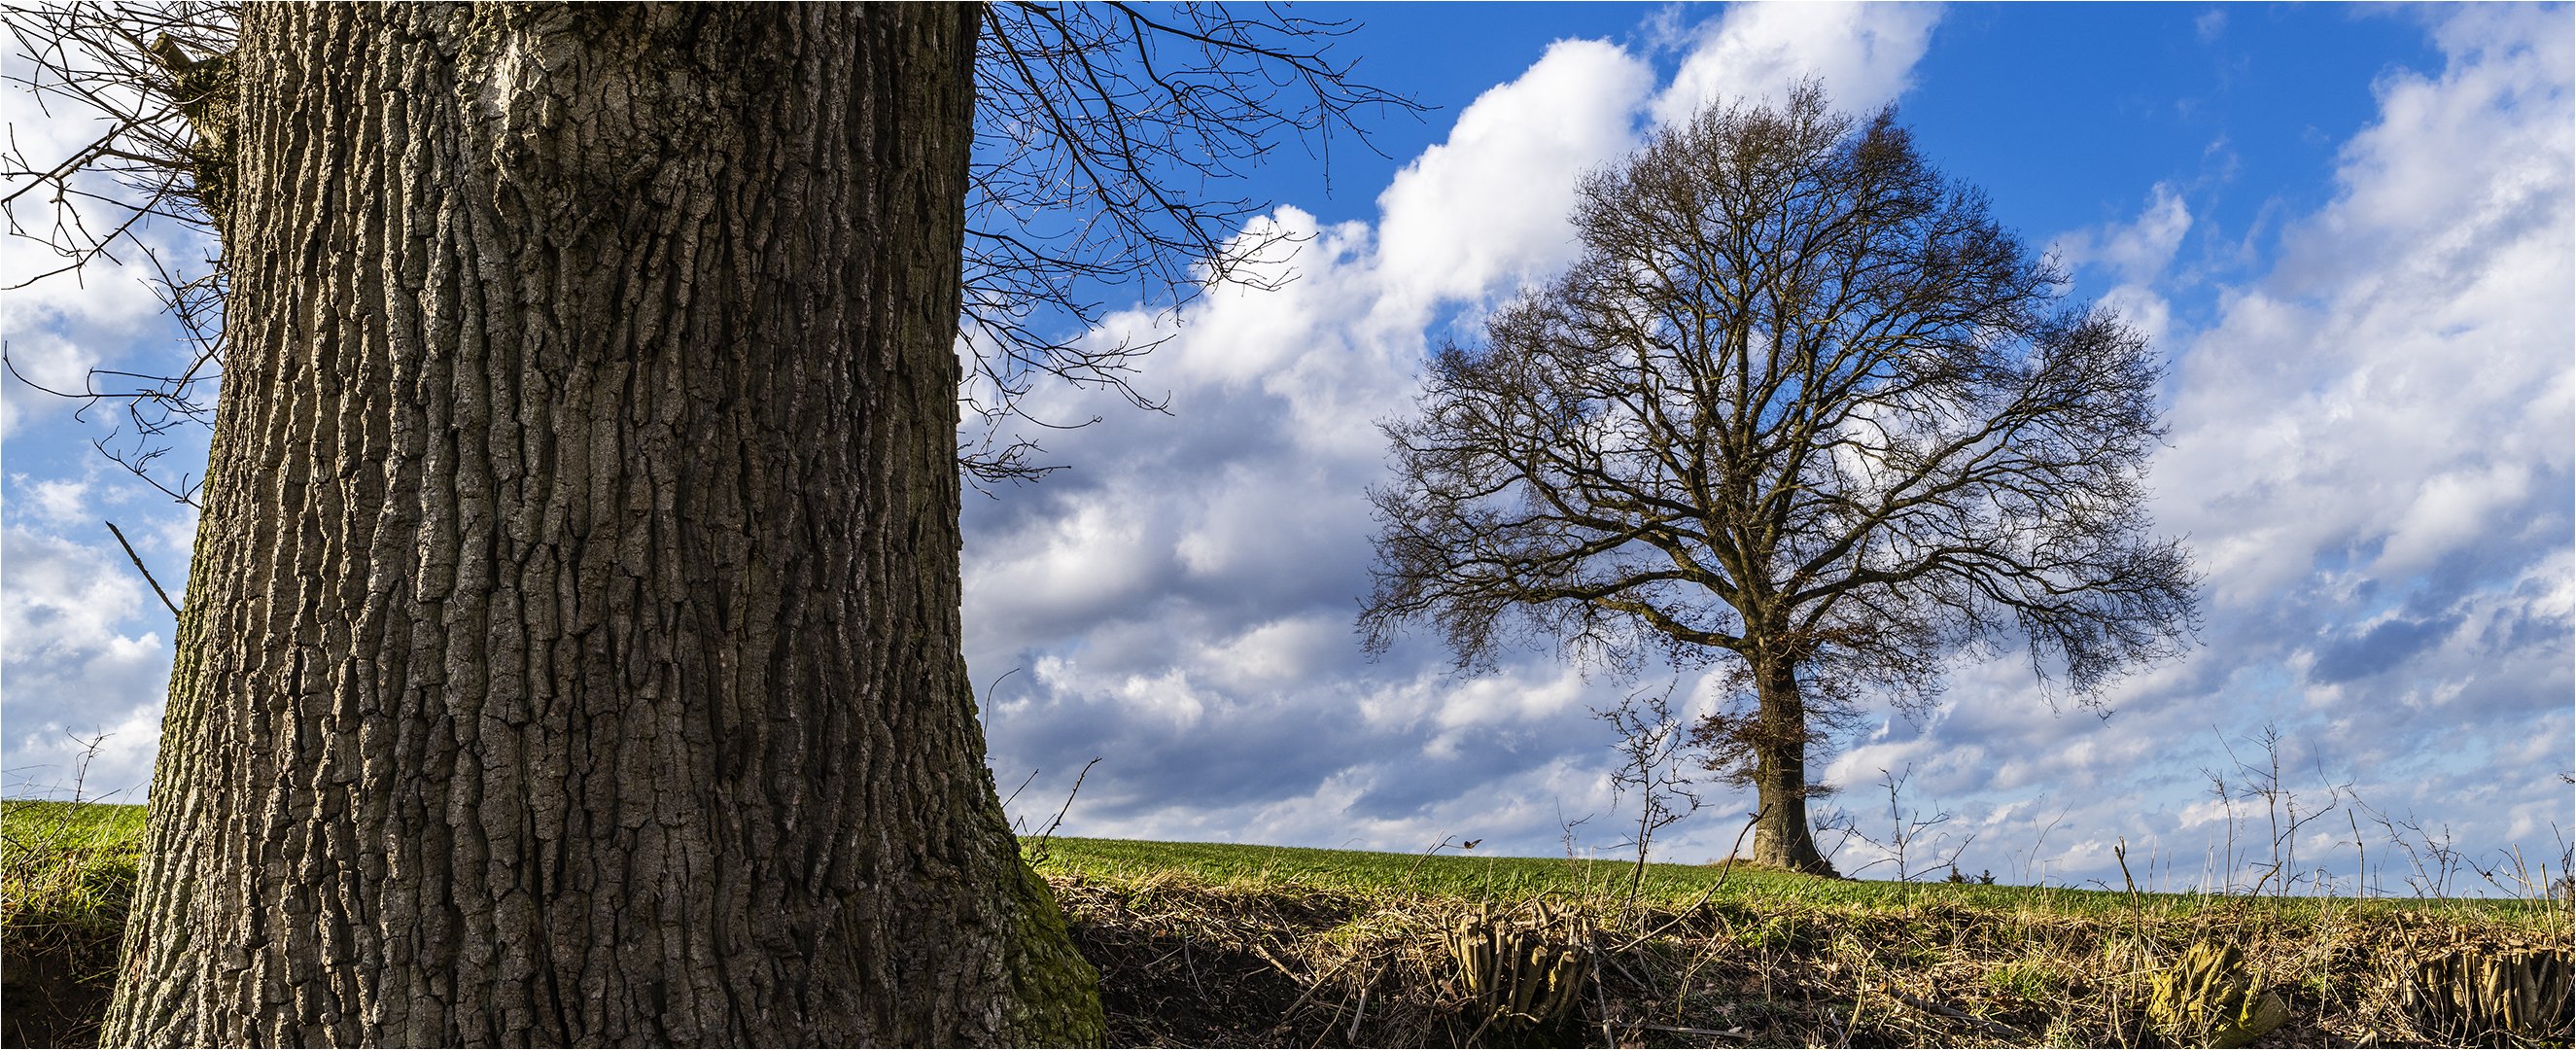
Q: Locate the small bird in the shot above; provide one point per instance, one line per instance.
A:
(1469, 844)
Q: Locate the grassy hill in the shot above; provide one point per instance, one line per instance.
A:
(1205, 944)
(1467, 876)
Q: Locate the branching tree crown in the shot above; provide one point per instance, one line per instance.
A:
(1802, 404)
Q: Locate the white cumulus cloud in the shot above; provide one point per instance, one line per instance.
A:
(1864, 54)
(1187, 590)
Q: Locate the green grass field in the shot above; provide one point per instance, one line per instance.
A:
(67, 872)
(1207, 944)
(64, 863)
(1451, 874)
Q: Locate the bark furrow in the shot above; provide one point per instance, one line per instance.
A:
(571, 654)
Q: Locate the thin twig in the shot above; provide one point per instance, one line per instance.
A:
(984, 710)
(1613, 960)
(1273, 960)
(1997, 1029)
(1311, 986)
(1722, 871)
(1043, 836)
(147, 573)
(1024, 785)
(1736, 1033)
(1426, 855)
(1600, 999)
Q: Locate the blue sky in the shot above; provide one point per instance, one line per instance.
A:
(2352, 232)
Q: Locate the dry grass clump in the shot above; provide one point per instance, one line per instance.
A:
(1199, 965)
(1243, 964)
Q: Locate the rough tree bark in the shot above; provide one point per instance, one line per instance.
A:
(572, 646)
(1781, 835)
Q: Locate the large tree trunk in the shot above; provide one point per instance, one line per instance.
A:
(1782, 836)
(572, 648)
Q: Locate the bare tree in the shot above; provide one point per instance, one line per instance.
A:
(1803, 406)
(1906, 828)
(1654, 753)
(571, 652)
(2262, 779)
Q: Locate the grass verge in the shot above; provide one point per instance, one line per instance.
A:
(66, 874)
(1205, 944)
(1208, 944)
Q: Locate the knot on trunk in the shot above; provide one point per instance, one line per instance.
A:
(207, 94)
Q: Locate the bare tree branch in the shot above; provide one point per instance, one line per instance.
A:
(1101, 130)
(151, 78)
(138, 567)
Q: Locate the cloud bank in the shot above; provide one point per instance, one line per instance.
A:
(1180, 604)
(2369, 451)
